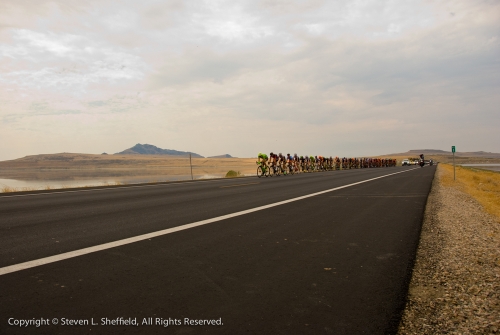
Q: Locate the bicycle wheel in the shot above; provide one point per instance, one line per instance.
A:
(260, 172)
(284, 171)
(271, 170)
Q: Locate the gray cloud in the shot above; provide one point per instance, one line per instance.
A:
(362, 73)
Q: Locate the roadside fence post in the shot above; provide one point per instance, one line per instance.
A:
(191, 165)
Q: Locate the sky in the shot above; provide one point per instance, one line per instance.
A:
(341, 78)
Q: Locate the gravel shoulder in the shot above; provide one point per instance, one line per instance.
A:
(455, 285)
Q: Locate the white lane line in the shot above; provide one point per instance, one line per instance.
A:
(85, 251)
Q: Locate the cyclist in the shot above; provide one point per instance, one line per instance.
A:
(312, 162)
(291, 162)
(296, 162)
(273, 159)
(282, 162)
(262, 160)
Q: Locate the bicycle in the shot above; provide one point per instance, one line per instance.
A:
(262, 170)
(274, 170)
(296, 168)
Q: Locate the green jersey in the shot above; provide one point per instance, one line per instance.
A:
(263, 156)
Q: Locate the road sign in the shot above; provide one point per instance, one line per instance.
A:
(453, 150)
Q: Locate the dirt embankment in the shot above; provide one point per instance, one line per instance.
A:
(455, 287)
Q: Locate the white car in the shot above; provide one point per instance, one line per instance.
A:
(405, 162)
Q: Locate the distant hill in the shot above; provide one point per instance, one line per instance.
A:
(478, 154)
(148, 149)
(222, 156)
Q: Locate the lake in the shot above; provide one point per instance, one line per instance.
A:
(26, 180)
(491, 167)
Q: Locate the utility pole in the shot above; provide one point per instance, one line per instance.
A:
(191, 165)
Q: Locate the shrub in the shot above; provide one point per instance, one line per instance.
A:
(232, 174)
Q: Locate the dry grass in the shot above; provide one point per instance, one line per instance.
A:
(483, 185)
(26, 189)
(6, 189)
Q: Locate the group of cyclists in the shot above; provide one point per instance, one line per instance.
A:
(278, 164)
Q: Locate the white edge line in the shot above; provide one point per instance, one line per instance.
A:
(81, 252)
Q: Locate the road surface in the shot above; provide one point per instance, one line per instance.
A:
(322, 253)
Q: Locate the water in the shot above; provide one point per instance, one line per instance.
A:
(491, 167)
(27, 184)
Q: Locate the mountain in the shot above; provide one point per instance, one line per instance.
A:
(478, 154)
(222, 156)
(148, 149)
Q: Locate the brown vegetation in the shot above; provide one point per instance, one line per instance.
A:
(482, 185)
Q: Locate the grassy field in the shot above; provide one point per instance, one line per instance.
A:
(483, 185)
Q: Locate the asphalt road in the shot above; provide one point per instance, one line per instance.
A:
(335, 263)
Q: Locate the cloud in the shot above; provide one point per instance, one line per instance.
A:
(65, 63)
(360, 75)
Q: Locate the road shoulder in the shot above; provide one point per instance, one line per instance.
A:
(456, 278)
